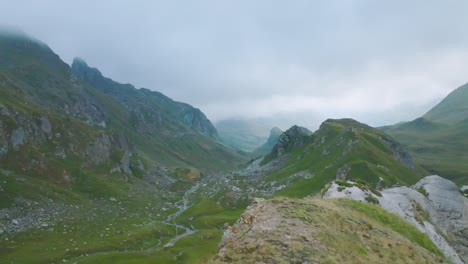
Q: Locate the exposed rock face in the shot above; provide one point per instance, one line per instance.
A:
(125, 163)
(266, 148)
(434, 205)
(194, 118)
(448, 209)
(17, 138)
(98, 151)
(150, 112)
(46, 126)
(399, 153)
(294, 137)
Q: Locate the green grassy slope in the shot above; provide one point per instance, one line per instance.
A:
(438, 141)
(349, 149)
(439, 148)
(64, 193)
(452, 109)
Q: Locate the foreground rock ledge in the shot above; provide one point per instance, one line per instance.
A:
(321, 231)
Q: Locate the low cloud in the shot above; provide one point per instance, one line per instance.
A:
(377, 61)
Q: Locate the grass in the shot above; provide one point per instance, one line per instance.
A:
(393, 222)
(338, 144)
(328, 231)
(440, 150)
(422, 191)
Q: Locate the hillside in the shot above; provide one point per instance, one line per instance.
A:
(452, 109)
(323, 231)
(339, 149)
(88, 164)
(438, 141)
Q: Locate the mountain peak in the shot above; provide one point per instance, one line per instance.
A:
(81, 69)
(275, 130)
(294, 137)
(452, 109)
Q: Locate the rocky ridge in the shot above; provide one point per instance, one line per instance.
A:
(285, 230)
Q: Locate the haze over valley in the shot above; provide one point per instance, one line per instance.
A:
(233, 132)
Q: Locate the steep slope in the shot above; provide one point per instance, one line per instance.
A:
(82, 169)
(149, 111)
(323, 231)
(339, 149)
(173, 132)
(438, 141)
(266, 148)
(452, 109)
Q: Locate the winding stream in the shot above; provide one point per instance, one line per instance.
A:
(182, 205)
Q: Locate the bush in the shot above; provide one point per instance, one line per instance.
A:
(343, 183)
(371, 199)
(376, 192)
(422, 191)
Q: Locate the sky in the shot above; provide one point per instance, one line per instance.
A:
(379, 62)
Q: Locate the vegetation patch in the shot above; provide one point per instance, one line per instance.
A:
(422, 191)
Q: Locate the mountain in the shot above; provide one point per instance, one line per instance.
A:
(95, 171)
(438, 140)
(294, 137)
(149, 111)
(266, 148)
(88, 164)
(339, 149)
(452, 109)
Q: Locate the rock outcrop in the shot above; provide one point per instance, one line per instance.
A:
(434, 205)
(266, 148)
(294, 137)
(319, 231)
(151, 112)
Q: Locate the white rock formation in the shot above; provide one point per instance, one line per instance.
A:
(441, 213)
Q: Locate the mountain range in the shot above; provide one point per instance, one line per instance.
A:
(96, 171)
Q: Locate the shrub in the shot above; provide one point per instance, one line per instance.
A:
(343, 183)
(371, 199)
(422, 191)
(376, 192)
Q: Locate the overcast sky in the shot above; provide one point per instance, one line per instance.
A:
(377, 61)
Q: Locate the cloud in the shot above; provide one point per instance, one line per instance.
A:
(373, 60)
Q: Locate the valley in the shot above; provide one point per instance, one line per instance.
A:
(96, 171)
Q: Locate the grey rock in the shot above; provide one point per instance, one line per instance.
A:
(447, 208)
(98, 151)
(3, 150)
(46, 126)
(125, 163)
(399, 153)
(292, 138)
(17, 138)
(140, 165)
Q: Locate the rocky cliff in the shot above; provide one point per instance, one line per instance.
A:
(433, 205)
(150, 111)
